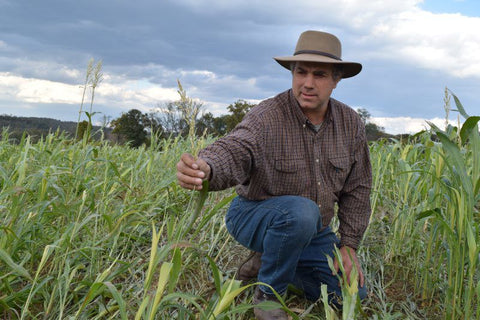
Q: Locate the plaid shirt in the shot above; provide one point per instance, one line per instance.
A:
(276, 151)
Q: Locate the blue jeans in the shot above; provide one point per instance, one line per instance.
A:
(288, 232)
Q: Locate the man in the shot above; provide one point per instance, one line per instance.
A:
(291, 159)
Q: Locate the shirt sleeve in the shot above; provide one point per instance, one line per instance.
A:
(232, 158)
(354, 202)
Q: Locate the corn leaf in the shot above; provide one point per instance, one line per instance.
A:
(457, 163)
(468, 127)
(459, 105)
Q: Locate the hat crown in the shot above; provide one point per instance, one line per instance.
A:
(318, 42)
(320, 47)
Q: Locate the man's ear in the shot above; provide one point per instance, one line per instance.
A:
(336, 82)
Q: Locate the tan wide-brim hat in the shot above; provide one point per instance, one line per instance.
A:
(317, 46)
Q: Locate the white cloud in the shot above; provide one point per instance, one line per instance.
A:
(134, 93)
(445, 42)
(37, 90)
(123, 93)
(126, 95)
(399, 125)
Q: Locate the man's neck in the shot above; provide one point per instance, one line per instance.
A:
(316, 116)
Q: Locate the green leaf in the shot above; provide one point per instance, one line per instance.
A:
(217, 277)
(459, 105)
(16, 268)
(437, 215)
(176, 268)
(162, 282)
(95, 289)
(231, 292)
(118, 298)
(434, 126)
(472, 243)
(468, 127)
(213, 212)
(428, 213)
(203, 194)
(457, 163)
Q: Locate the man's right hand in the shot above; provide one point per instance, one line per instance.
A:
(191, 172)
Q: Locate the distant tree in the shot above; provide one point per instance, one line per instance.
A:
(152, 125)
(169, 117)
(364, 115)
(237, 111)
(181, 117)
(209, 124)
(373, 131)
(131, 127)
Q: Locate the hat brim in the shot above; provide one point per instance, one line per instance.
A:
(350, 69)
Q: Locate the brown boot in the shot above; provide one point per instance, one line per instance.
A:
(260, 314)
(248, 270)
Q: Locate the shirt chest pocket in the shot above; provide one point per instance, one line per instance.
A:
(338, 170)
(288, 176)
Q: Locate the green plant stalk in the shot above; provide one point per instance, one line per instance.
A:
(202, 197)
(87, 79)
(329, 312)
(349, 289)
(162, 282)
(46, 254)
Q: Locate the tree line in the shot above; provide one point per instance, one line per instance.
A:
(180, 118)
(183, 117)
(135, 127)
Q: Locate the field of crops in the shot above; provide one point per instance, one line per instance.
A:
(95, 231)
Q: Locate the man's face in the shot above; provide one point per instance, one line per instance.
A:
(312, 85)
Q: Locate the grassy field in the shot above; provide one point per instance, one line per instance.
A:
(95, 231)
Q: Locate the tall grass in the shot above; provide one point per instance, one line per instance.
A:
(428, 193)
(100, 231)
(76, 227)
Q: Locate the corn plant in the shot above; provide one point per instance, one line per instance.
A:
(430, 199)
(457, 220)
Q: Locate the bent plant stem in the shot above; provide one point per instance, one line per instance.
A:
(202, 196)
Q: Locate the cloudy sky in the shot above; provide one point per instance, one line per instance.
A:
(221, 51)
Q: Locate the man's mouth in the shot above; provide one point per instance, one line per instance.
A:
(306, 95)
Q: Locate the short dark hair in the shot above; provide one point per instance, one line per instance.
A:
(337, 72)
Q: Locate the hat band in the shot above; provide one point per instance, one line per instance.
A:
(321, 53)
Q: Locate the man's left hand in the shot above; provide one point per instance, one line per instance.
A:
(349, 259)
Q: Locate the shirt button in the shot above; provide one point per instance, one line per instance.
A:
(319, 205)
(317, 160)
(318, 183)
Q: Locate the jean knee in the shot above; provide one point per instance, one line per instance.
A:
(305, 215)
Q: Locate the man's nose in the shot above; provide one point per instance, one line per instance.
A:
(308, 81)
